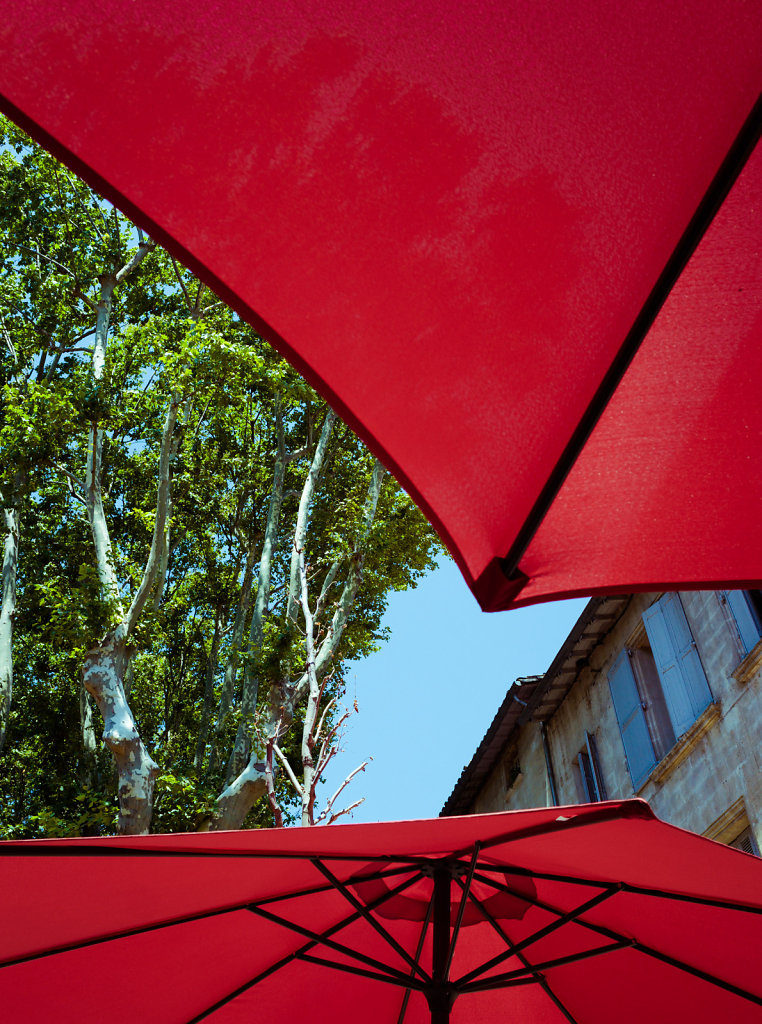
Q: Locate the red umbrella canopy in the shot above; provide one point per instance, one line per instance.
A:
(460, 223)
(587, 914)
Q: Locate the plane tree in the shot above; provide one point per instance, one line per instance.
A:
(196, 548)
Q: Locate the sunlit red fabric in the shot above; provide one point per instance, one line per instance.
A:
(687, 919)
(448, 217)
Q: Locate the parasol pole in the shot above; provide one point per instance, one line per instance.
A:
(440, 995)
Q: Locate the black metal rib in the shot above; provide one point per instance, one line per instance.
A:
(702, 901)
(14, 848)
(511, 977)
(641, 947)
(638, 890)
(542, 933)
(402, 981)
(418, 951)
(376, 925)
(290, 957)
(466, 887)
(697, 972)
(125, 933)
(541, 981)
(713, 198)
(323, 940)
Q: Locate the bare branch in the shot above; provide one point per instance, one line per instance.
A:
(335, 817)
(288, 769)
(343, 786)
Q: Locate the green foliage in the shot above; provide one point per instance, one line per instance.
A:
(168, 336)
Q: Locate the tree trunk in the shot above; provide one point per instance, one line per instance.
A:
(240, 755)
(89, 742)
(206, 712)
(103, 676)
(231, 668)
(238, 798)
(7, 611)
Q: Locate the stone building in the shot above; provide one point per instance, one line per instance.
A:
(651, 695)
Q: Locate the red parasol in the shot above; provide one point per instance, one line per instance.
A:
(586, 915)
(462, 223)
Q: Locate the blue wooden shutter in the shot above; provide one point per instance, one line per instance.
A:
(686, 690)
(632, 721)
(748, 627)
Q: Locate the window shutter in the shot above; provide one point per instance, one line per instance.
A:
(686, 690)
(746, 621)
(632, 721)
(665, 656)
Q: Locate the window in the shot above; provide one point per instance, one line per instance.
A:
(587, 773)
(658, 686)
(746, 609)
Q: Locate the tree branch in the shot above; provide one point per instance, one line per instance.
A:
(159, 539)
(327, 584)
(302, 517)
(347, 810)
(240, 753)
(340, 617)
(315, 691)
(181, 283)
(140, 254)
(288, 769)
(41, 255)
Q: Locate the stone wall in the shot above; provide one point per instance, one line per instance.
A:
(712, 777)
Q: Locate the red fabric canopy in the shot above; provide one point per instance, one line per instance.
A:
(628, 920)
(450, 218)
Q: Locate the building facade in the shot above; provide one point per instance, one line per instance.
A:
(657, 696)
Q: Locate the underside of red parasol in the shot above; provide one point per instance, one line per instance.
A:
(516, 245)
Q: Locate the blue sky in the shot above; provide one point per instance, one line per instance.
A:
(427, 698)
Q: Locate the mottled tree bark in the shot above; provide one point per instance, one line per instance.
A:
(103, 677)
(106, 664)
